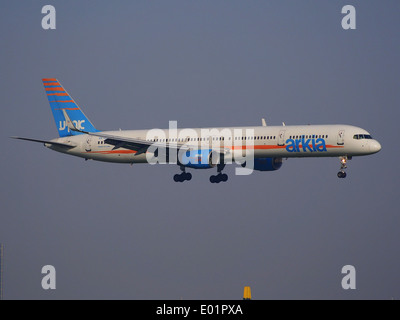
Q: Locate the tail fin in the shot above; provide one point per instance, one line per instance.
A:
(60, 100)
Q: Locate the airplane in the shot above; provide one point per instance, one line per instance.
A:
(259, 148)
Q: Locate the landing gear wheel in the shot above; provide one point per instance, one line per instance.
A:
(183, 177)
(341, 174)
(219, 178)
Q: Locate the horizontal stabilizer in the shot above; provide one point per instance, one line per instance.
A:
(46, 142)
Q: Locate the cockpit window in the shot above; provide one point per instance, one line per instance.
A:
(362, 136)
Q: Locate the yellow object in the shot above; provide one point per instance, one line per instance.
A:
(247, 293)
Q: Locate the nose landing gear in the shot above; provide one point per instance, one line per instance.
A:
(343, 165)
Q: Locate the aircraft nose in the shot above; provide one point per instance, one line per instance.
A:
(375, 146)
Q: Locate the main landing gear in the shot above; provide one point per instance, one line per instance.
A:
(343, 161)
(220, 177)
(183, 176)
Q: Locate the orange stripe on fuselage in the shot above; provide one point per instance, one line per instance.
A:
(113, 151)
(257, 147)
(330, 146)
(268, 147)
(49, 79)
(232, 147)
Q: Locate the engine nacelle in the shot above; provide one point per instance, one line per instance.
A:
(265, 164)
(199, 159)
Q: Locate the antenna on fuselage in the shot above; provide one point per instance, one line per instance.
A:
(263, 122)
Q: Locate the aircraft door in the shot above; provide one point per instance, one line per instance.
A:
(281, 138)
(88, 143)
(340, 137)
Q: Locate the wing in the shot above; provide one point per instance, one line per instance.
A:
(139, 145)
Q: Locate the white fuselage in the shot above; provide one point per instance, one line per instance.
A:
(266, 141)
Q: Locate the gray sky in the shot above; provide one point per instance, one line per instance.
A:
(119, 232)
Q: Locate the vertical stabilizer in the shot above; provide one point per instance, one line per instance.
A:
(60, 100)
